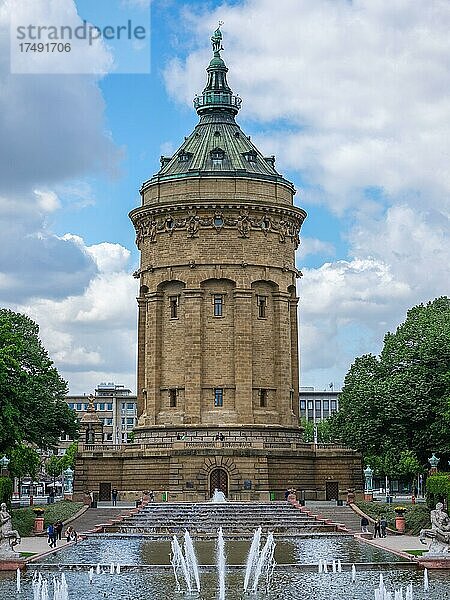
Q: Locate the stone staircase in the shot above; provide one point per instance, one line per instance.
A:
(235, 518)
(342, 515)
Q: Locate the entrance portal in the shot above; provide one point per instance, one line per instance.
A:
(218, 479)
(332, 490)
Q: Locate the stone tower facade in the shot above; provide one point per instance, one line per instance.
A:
(217, 232)
(218, 371)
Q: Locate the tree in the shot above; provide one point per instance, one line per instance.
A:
(32, 406)
(324, 434)
(400, 401)
(24, 461)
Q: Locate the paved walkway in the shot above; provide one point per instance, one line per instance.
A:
(400, 543)
(85, 522)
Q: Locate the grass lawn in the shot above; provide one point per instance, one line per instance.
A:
(23, 518)
(417, 516)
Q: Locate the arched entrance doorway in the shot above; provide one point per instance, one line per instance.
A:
(218, 479)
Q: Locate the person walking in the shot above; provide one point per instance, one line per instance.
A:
(114, 493)
(383, 526)
(364, 525)
(377, 528)
(51, 533)
(58, 526)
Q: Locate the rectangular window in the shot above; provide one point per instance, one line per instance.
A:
(172, 398)
(262, 398)
(86, 406)
(302, 404)
(131, 406)
(71, 405)
(218, 305)
(79, 406)
(326, 406)
(102, 406)
(333, 406)
(130, 421)
(173, 300)
(262, 303)
(109, 406)
(218, 396)
(318, 406)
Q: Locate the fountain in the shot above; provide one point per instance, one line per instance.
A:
(218, 496)
(265, 564)
(252, 559)
(221, 564)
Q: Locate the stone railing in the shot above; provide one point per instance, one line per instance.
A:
(212, 444)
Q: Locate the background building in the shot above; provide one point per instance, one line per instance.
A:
(116, 408)
(316, 405)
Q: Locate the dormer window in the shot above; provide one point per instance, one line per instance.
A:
(250, 156)
(184, 156)
(217, 156)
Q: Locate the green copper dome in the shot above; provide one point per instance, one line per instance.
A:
(218, 146)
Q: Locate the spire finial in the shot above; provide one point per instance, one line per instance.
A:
(216, 40)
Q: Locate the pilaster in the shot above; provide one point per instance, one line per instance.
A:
(243, 354)
(193, 354)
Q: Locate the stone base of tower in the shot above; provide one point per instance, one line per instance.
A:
(189, 465)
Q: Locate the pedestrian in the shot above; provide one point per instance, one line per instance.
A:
(364, 525)
(51, 496)
(152, 496)
(377, 528)
(58, 529)
(51, 533)
(114, 493)
(383, 525)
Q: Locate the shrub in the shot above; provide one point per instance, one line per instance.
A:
(6, 490)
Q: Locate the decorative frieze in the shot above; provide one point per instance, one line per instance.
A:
(286, 224)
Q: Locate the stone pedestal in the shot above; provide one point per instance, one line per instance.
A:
(39, 525)
(400, 523)
(7, 554)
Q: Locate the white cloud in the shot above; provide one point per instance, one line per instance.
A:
(91, 335)
(47, 201)
(313, 246)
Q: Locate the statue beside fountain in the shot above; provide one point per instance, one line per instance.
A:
(439, 532)
(9, 537)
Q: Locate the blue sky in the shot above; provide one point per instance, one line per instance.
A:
(352, 98)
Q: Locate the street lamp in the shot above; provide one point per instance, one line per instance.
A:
(68, 480)
(434, 461)
(368, 494)
(4, 462)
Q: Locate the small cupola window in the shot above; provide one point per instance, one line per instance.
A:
(184, 156)
(250, 156)
(217, 156)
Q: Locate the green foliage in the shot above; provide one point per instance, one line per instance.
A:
(23, 521)
(68, 459)
(401, 399)
(23, 518)
(53, 466)
(417, 516)
(324, 433)
(32, 406)
(24, 461)
(6, 490)
(438, 489)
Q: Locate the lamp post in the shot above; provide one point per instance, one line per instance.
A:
(368, 488)
(434, 461)
(4, 462)
(68, 481)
